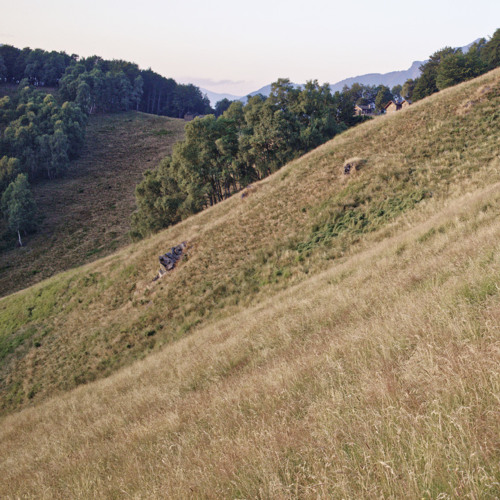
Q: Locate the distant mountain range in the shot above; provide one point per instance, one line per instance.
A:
(388, 79)
(214, 97)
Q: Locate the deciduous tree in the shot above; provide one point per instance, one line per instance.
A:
(407, 90)
(491, 51)
(18, 207)
(221, 106)
(384, 96)
(425, 84)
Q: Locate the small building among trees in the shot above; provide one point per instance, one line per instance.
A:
(188, 117)
(364, 110)
(392, 106)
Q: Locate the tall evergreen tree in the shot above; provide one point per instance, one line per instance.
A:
(3, 69)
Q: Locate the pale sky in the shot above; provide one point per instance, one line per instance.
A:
(238, 47)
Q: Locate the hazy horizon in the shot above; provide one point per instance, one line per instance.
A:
(237, 49)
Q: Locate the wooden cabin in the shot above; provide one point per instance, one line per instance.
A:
(392, 106)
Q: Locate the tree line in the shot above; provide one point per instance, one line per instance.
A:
(448, 67)
(100, 85)
(39, 67)
(222, 155)
(40, 132)
(39, 138)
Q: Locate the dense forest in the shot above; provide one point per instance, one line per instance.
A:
(48, 98)
(99, 84)
(38, 139)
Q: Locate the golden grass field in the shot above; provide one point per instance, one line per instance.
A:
(86, 213)
(329, 336)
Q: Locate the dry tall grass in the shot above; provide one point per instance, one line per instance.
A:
(88, 322)
(343, 337)
(377, 378)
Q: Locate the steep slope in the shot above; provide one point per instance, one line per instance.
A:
(377, 378)
(85, 323)
(87, 212)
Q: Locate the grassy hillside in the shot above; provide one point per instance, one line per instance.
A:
(343, 334)
(377, 378)
(87, 213)
(87, 322)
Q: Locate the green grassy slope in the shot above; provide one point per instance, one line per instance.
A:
(87, 213)
(87, 322)
(376, 378)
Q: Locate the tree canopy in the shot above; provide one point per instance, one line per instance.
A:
(100, 85)
(221, 106)
(448, 66)
(384, 96)
(40, 132)
(221, 155)
(18, 207)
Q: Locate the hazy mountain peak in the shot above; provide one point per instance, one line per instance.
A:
(388, 79)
